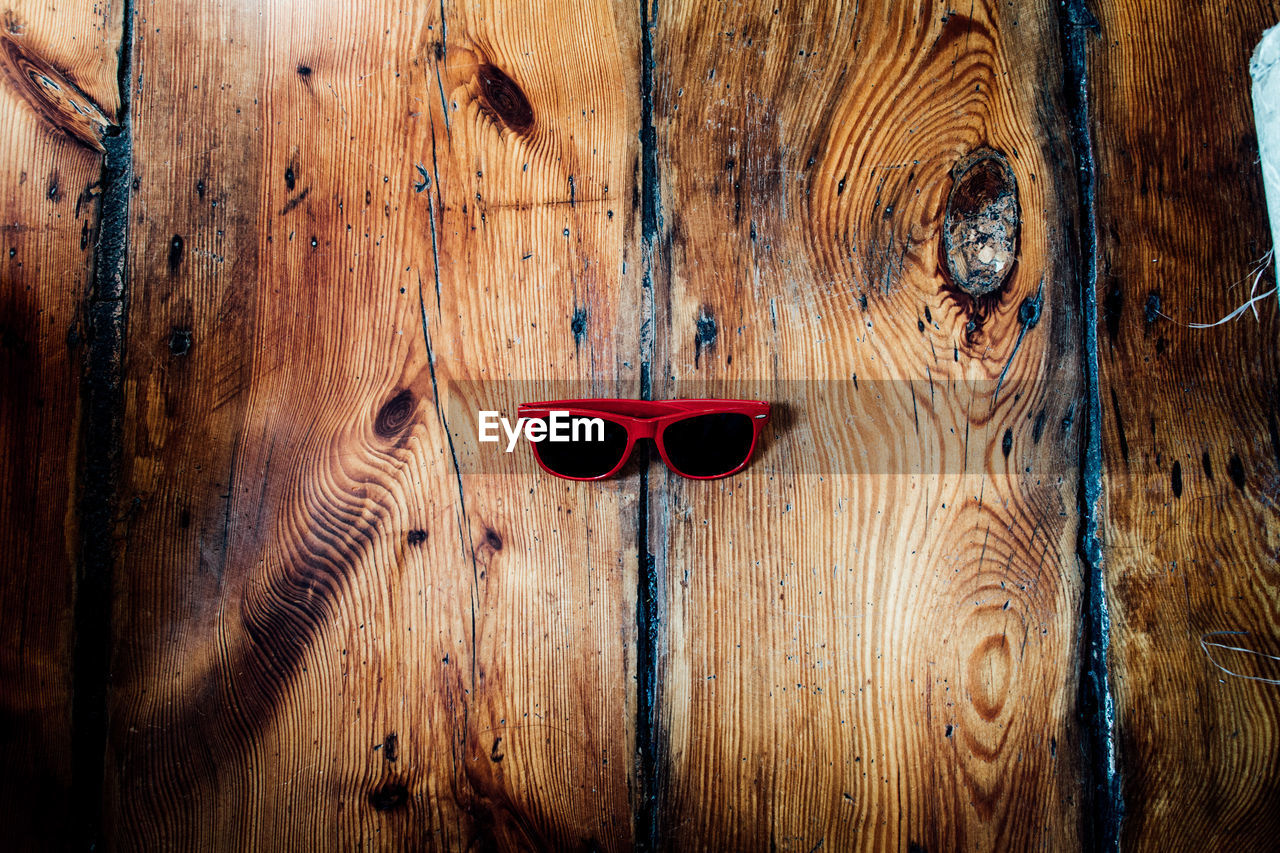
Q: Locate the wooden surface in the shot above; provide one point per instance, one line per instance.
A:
(1191, 440)
(332, 623)
(333, 633)
(48, 214)
(882, 659)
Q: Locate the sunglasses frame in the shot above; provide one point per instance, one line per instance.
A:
(649, 419)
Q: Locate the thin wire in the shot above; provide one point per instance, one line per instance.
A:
(1250, 305)
(1205, 645)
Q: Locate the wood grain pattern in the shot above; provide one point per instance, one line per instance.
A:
(1190, 430)
(48, 219)
(334, 634)
(51, 94)
(336, 624)
(879, 660)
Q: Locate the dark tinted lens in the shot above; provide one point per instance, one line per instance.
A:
(586, 454)
(709, 445)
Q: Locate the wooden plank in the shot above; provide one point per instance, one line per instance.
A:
(867, 651)
(337, 634)
(1190, 437)
(52, 55)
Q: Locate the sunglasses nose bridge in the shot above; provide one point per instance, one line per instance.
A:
(644, 429)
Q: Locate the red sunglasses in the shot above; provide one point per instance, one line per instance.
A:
(699, 439)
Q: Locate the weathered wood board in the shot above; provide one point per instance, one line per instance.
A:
(876, 657)
(1190, 414)
(51, 56)
(328, 631)
(332, 623)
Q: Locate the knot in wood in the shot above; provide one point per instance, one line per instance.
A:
(981, 224)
